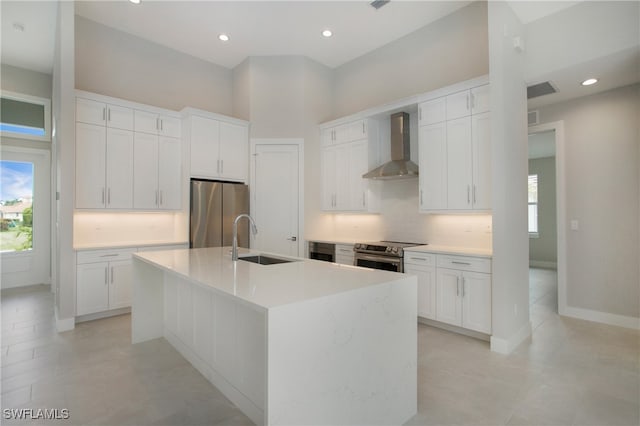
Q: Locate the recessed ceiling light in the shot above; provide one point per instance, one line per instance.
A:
(135, 1)
(223, 37)
(327, 33)
(589, 81)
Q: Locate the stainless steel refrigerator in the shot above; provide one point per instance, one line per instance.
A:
(214, 207)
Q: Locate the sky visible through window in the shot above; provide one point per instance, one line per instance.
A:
(16, 180)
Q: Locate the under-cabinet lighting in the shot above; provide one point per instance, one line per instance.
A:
(589, 81)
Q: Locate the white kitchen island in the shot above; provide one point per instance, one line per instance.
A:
(305, 342)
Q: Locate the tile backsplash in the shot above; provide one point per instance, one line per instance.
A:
(399, 220)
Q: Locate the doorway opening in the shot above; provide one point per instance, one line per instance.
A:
(546, 222)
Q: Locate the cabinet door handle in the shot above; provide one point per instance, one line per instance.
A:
(156, 197)
(109, 196)
(161, 125)
(473, 101)
(106, 281)
(292, 238)
(157, 123)
(221, 167)
(418, 258)
(420, 114)
(161, 202)
(421, 201)
(457, 286)
(102, 195)
(104, 113)
(474, 194)
(109, 114)
(363, 131)
(363, 199)
(468, 102)
(463, 282)
(468, 194)
(455, 262)
(109, 255)
(112, 275)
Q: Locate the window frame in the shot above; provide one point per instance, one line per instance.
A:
(46, 103)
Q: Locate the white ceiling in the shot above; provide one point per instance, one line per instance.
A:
(32, 48)
(267, 28)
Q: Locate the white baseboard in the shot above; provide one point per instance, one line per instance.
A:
(601, 317)
(506, 346)
(64, 324)
(543, 264)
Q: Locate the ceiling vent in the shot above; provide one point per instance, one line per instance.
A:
(377, 4)
(540, 89)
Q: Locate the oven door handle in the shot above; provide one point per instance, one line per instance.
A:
(384, 259)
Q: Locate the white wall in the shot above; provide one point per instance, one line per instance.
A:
(543, 249)
(452, 49)
(509, 181)
(586, 31)
(63, 110)
(602, 151)
(114, 63)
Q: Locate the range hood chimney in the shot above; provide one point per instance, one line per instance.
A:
(400, 166)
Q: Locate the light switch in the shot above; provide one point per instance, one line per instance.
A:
(574, 225)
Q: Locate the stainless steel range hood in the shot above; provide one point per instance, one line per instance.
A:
(400, 166)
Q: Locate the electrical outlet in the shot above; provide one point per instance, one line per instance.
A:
(574, 225)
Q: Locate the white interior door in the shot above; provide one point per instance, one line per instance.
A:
(276, 196)
(25, 211)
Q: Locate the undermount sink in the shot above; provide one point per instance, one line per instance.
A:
(265, 260)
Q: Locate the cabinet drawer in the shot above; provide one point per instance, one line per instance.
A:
(464, 263)
(344, 260)
(92, 256)
(419, 258)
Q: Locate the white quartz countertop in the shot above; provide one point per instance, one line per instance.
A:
(465, 251)
(266, 286)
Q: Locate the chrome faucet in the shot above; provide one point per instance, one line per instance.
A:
(254, 231)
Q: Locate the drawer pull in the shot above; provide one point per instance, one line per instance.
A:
(460, 263)
(109, 255)
(418, 258)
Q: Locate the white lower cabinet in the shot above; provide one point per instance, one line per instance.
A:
(103, 280)
(453, 289)
(423, 265)
(344, 254)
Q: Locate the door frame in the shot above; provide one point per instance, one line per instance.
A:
(299, 142)
(45, 155)
(561, 212)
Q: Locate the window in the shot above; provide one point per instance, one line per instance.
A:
(533, 205)
(16, 206)
(26, 117)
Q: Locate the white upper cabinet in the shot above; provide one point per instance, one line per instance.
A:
(119, 168)
(91, 151)
(157, 124)
(349, 151)
(157, 172)
(431, 112)
(455, 152)
(100, 113)
(219, 149)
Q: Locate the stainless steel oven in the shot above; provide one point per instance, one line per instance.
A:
(385, 255)
(375, 261)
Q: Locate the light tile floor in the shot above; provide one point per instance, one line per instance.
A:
(571, 373)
